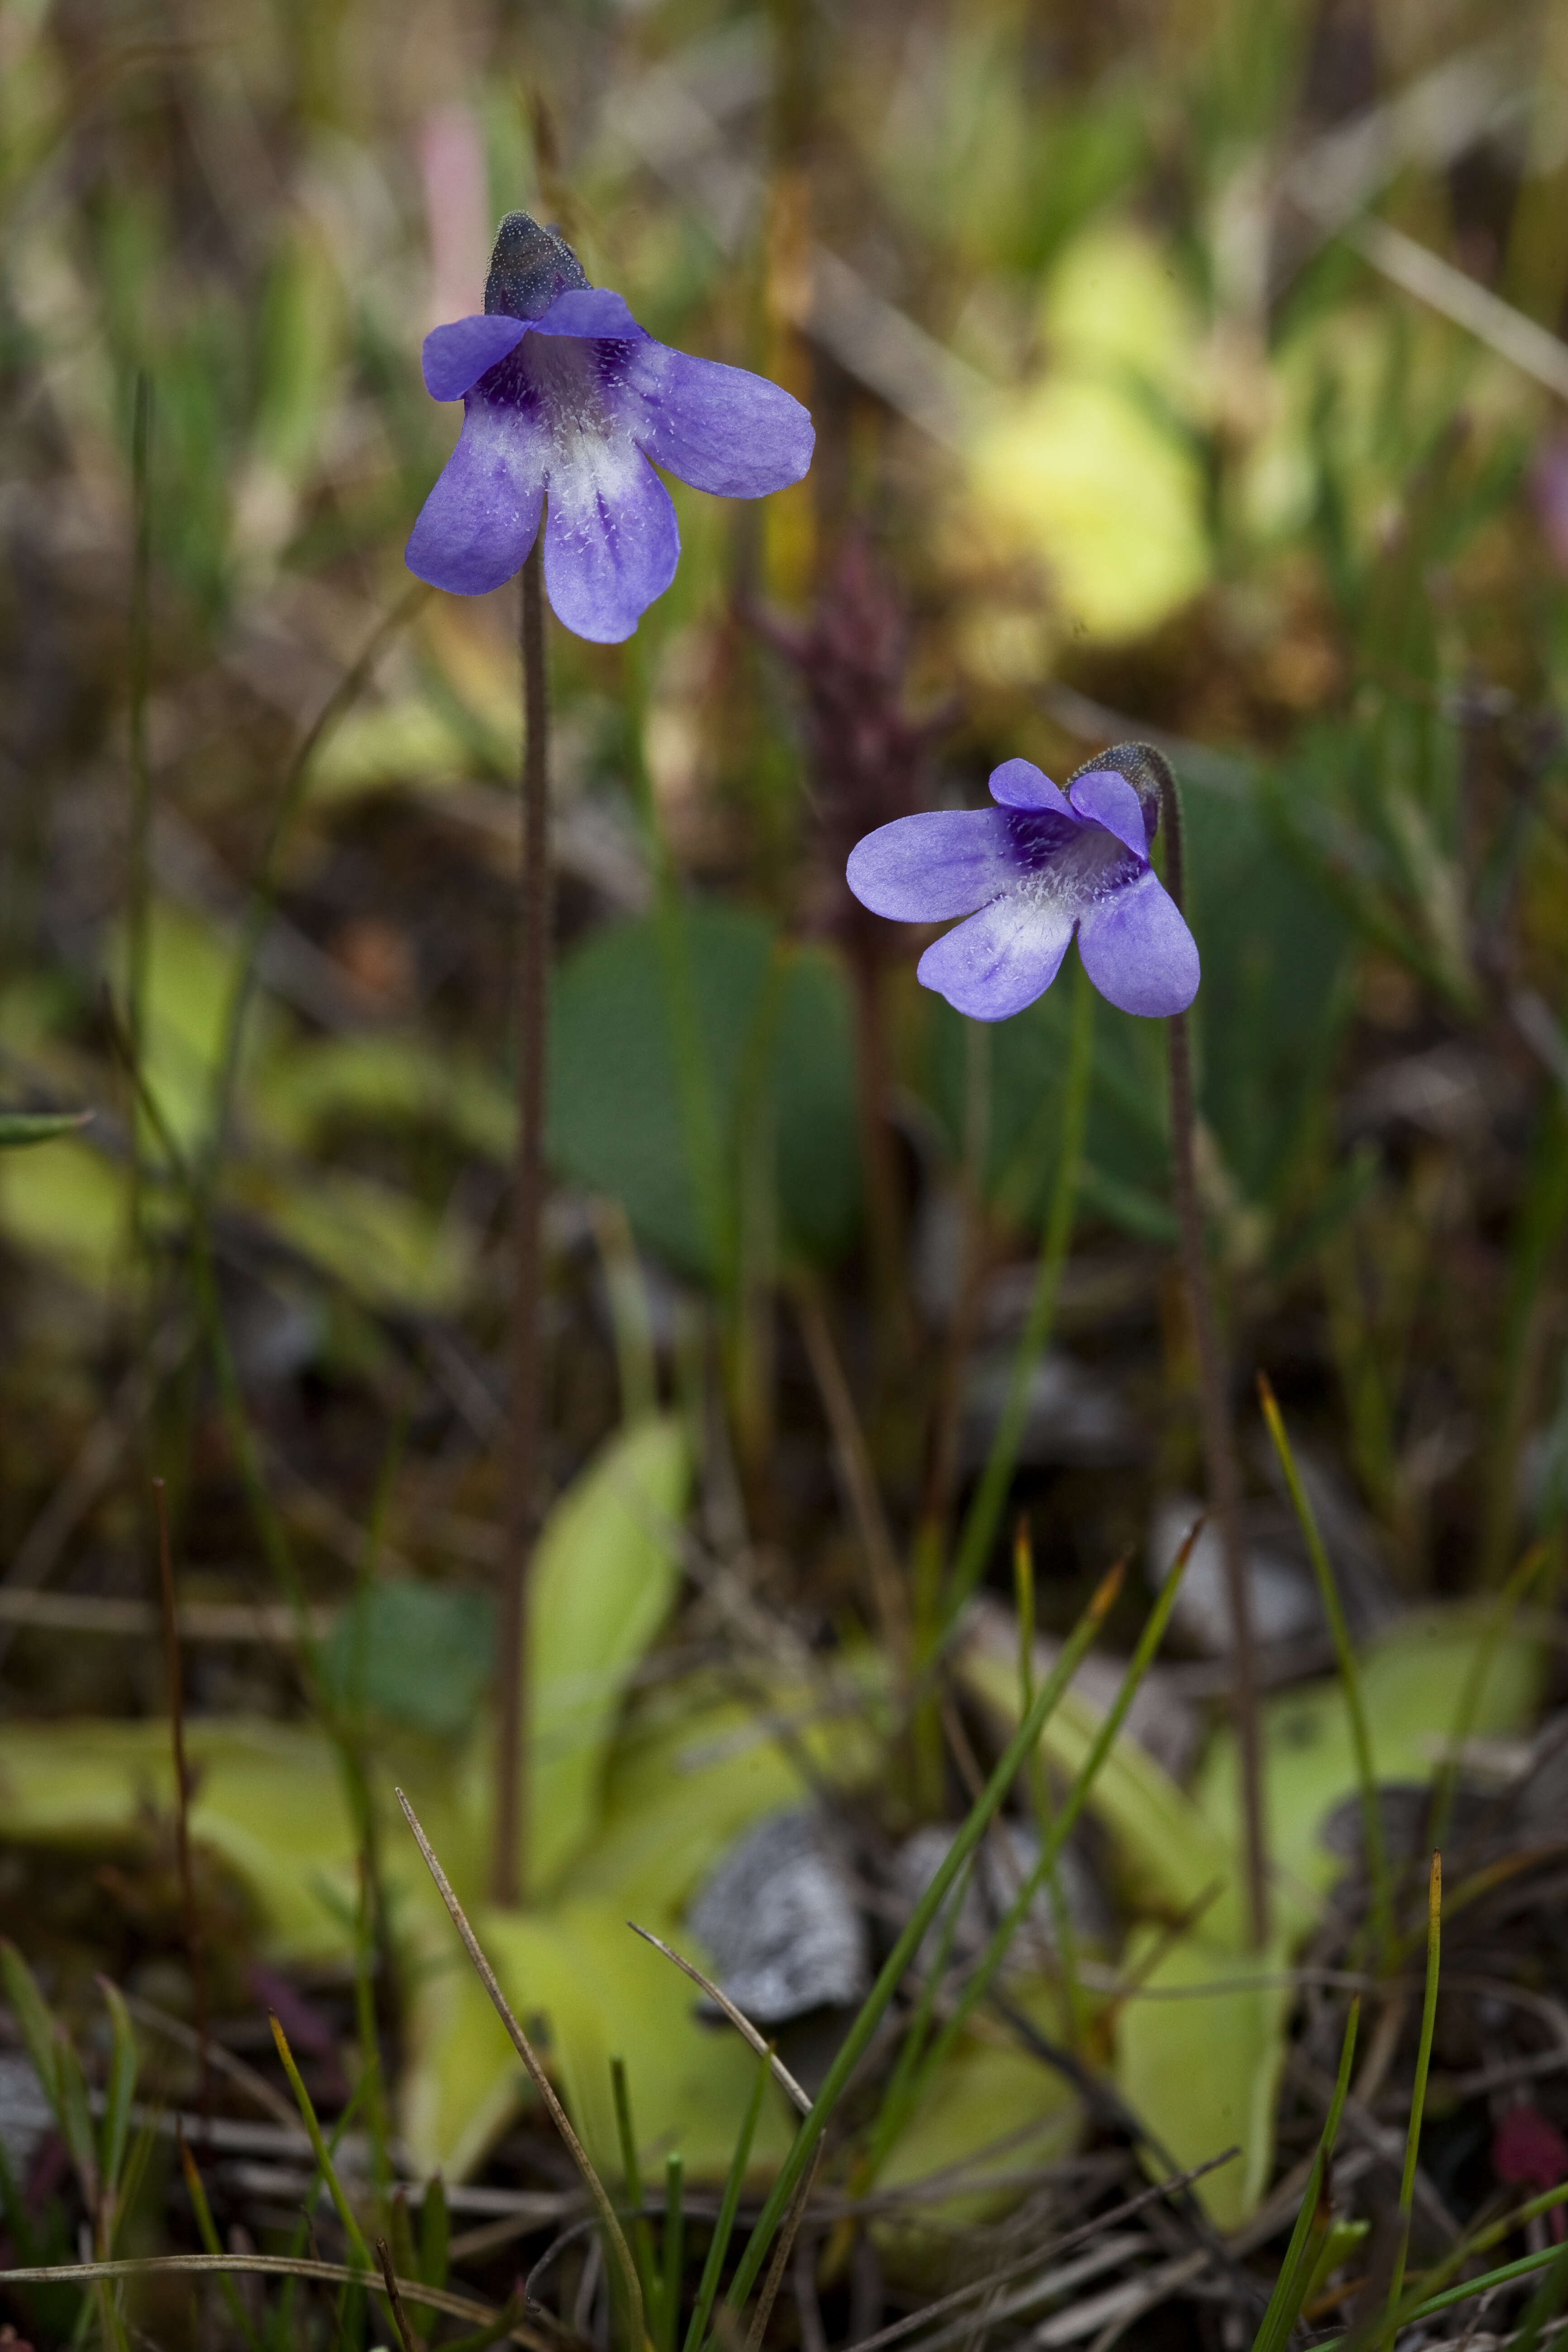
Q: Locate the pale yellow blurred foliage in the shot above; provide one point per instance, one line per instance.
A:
(1086, 472)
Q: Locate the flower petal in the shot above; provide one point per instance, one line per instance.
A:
(611, 543)
(589, 310)
(1002, 958)
(1019, 784)
(457, 356)
(925, 869)
(1107, 799)
(718, 428)
(479, 521)
(1137, 950)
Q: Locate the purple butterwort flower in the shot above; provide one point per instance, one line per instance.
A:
(562, 391)
(1028, 872)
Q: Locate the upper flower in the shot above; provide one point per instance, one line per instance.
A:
(1028, 872)
(563, 392)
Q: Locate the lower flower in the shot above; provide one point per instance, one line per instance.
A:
(1028, 874)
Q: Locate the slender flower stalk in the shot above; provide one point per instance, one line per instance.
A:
(568, 406)
(509, 1870)
(1144, 766)
(1042, 868)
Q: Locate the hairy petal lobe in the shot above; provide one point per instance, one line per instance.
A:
(925, 869)
(591, 311)
(1019, 784)
(1105, 798)
(1137, 950)
(455, 357)
(1003, 957)
(611, 543)
(720, 428)
(480, 519)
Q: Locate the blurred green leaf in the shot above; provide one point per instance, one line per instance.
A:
(615, 1117)
(71, 1207)
(1415, 1681)
(1272, 1005)
(415, 1655)
(34, 2020)
(1126, 1172)
(1200, 2071)
(1202, 2074)
(985, 2100)
(382, 1244)
(20, 1128)
(605, 1571)
(305, 1090)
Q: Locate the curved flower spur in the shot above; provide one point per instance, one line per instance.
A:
(564, 393)
(1028, 872)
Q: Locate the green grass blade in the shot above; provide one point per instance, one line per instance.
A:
(854, 2047)
(1418, 2094)
(1508, 1604)
(120, 2092)
(674, 2250)
(1429, 2306)
(1544, 2304)
(641, 2236)
(206, 2230)
(1350, 1676)
(980, 1520)
(1040, 1794)
(359, 2249)
(985, 1970)
(898, 2098)
(434, 2233)
(723, 2228)
(75, 2117)
(18, 1129)
(1295, 2271)
(35, 2021)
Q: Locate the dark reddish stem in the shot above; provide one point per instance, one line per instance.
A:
(193, 1923)
(508, 1872)
(1141, 762)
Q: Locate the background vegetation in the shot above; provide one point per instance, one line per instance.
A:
(1187, 372)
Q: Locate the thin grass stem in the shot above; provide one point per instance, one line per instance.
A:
(858, 2040)
(631, 2173)
(289, 2266)
(328, 2170)
(1350, 1676)
(263, 887)
(984, 1975)
(1144, 765)
(405, 2335)
(194, 1950)
(1040, 1793)
(674, 2250)
(723, 2228)
(782, 2252)
(206, 2230)
(898, 2098)
(1296, 2270)
(1527, 2266)
(1418, 2093)
(984, 1512)
(620, 2251)
(1446, 1787)
(737, 2017)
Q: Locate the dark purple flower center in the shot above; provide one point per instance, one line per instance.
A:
(1039, 836)
(1057, 857)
